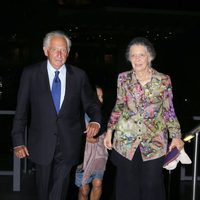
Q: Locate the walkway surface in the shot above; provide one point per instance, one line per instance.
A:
(178, 190)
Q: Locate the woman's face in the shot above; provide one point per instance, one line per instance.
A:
(139, 58)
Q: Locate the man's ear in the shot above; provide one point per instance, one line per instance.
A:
(45, 51)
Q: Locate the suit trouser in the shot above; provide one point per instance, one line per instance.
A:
(138, 180)
(53, 180)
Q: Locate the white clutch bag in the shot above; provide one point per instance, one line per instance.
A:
(173, 157)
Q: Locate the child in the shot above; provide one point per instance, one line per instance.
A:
(91, 171)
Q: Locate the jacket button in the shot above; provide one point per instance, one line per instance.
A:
(139, 137)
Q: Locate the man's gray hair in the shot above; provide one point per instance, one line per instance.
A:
(50, 35)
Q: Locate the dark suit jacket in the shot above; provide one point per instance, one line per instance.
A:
(35, 103)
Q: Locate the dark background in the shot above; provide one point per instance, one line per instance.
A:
(100, 31)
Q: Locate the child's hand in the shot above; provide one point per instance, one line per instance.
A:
(91, 139)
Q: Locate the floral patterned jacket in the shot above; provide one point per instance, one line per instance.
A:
(143, 116)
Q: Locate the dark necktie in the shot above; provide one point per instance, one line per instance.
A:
(56, 91)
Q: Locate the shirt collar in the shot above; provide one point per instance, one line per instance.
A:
(52, 70)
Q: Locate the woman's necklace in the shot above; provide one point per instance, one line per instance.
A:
(145, 77)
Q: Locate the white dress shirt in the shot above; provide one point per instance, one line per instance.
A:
(62, 76)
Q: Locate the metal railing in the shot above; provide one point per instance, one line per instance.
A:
(16, 171)
(194, 133)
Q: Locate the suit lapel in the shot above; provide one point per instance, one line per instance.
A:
(45, 77)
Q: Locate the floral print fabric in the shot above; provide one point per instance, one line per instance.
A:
(143, 116)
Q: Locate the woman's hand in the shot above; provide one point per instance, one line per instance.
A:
(176, 142)
(108, 140)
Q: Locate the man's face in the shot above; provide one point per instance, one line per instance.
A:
(57, 52)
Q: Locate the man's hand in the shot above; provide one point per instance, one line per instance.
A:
(92, 129)
(21, 151)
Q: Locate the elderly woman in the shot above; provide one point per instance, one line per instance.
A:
(142, 120)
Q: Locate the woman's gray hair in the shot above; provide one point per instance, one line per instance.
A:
(48, 37)
(144, 42)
